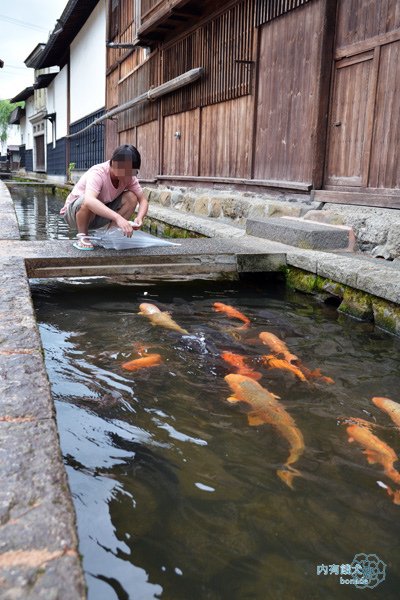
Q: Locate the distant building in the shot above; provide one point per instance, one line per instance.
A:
(68, 93)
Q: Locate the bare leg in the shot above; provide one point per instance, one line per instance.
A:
(84, 216)
(128, 205)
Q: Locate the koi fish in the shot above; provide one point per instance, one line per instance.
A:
(160, 318)
(315, 374)
(265, 408)
(238, 361)
(277, 346)
(390, 407)
(231, 312)
(273, 362)
(151, 360)
(376, 450)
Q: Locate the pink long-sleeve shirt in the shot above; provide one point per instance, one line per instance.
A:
(97, 179)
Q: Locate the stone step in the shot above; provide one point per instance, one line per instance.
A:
(302, 233)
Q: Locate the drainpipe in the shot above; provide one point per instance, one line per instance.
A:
(67, 143)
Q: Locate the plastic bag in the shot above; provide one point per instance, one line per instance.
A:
(112, 237)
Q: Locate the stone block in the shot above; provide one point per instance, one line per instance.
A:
(24, 388)
(215, 207)
(324, 216)
(165, 198)
(300, 233)
(235, 209)
(260, 263)
(281, 209)
(338, 268)
(201, 206)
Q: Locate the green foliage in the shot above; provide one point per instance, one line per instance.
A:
(6, 108)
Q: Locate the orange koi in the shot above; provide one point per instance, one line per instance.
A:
(231, 312)
(315, 374)
(265, 409)
(238, 361)
(273, 362)
(277, 346)
(151, 360)
(390, 407)
(160, 318)
(376, 450)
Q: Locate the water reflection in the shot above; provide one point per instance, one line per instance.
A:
(38, 215)
(176, 496)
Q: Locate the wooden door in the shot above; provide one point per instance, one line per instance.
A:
(351, 120)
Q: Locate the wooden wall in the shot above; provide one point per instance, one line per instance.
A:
(288, 95)
(225, 143)
(180, 154)
(359, 20)
(385, 155)
(364, 129)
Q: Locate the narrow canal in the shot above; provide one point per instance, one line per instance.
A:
(176, 495)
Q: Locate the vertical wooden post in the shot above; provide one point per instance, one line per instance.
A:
(324, 82)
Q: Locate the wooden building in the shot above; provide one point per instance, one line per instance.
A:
(296, 94)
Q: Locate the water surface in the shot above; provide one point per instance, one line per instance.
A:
(176, 495)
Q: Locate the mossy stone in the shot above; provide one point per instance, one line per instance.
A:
(301, 280)
(357, 304)
(386, 315)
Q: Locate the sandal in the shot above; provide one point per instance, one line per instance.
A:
(83, 242)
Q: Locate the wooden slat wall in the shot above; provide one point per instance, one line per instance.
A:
(385, 155)
(267, 10)
(112, 89)
(181, 154)
(287, 102)
(224, 47)
(148, 143)
(225, 146)
(149, 5)
(359, 20)
(140, 81)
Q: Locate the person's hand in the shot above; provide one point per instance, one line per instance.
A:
(124, 225)
(137, 223)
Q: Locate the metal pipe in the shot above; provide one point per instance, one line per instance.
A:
(151, 94)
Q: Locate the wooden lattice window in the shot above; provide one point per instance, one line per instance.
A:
(266, 10)
(224, 48)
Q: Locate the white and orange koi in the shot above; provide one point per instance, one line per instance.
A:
(390, 407)
(160, 318)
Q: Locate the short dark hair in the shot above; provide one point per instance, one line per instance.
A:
(127, 152)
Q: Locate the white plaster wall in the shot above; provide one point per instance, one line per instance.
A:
(88, 65)
(29, 111)
(57, 102)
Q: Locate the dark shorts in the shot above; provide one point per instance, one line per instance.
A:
(70, 215)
